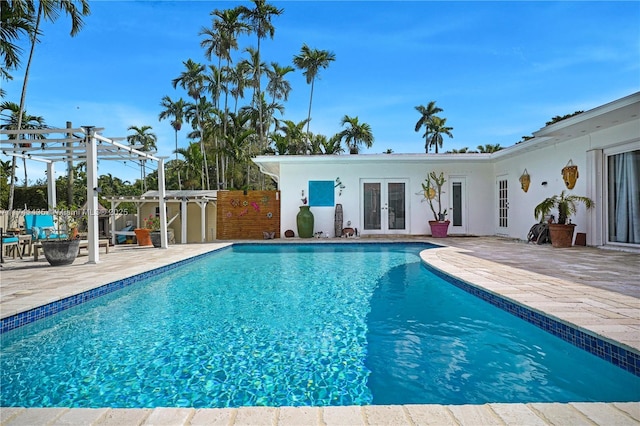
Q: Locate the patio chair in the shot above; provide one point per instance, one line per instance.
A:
(124, 233)
(10, 245)
(41, 227)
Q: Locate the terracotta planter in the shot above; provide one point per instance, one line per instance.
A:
(60, 252)
(561, 235)
(439, 229)
(143, 235)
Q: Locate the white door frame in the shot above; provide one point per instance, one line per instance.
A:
(384, 206)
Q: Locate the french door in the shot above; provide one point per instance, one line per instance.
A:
(383, 204)
(503, 205)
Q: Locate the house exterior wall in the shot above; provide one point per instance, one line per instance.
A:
(295, 177)
(586, 140)
(545, 165)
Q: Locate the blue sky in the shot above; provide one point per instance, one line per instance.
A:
(499, 70)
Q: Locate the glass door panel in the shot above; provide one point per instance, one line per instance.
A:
(371, 203)
(396, 194)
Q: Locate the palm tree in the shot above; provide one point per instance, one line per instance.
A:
(295, 136)
(147, 142)
(433, 135)
(49, 10)
(311, 61)
(333, 145)
(278, 87)
(260, 22)
(357, 133)
(489, 148)
(193, 160)
(174, 110)
(16, 21)
(426, 114)
(29, 122)
(192, 80)
(238, 76)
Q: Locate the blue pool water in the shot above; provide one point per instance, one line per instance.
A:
(295, 325)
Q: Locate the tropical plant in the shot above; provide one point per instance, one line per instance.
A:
(356, 134)
(426, 113)
(175, 111)
(333, 145)
(432, 193)
(192, 80)
(311, 61)
(566, 204)
(49, 10)
(433, 135)
(144, 141)
(489, 148)
(28, 122)
(16, 22)
(259, 19)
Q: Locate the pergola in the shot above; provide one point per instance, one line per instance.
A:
(200, 197)
(81, 144)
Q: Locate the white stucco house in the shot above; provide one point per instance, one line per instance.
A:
(382, 193)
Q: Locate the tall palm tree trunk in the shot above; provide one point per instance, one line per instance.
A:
(23, 97)
(310, 101)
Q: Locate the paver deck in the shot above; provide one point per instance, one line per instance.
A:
(597, 290)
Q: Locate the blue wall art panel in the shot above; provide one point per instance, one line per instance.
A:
(321, 193)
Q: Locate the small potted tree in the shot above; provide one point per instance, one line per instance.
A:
(432, 191)
(561, 233)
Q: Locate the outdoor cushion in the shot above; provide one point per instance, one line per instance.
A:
(37, 224)
(6, 240)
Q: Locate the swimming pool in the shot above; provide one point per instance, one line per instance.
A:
(297, 325)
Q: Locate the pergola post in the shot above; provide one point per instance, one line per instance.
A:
(92, 195)
(163, 204)
(51, 185)
(183, 220)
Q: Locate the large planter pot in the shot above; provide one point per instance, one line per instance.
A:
(156, 237)
(143, 235)
(304, 220)
(561, 235)
(60, 252)
(439, 229)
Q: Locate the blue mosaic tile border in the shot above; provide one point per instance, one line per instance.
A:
(23, 318)
(623, 358)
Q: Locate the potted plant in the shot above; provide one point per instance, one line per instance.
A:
(62, 250)
(561, 233)
(153, 223)
(150, 226)
(432, 191)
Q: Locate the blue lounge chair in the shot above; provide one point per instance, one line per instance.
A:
(38, 225)
(123, 234)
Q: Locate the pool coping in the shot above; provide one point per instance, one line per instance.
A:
(489, 276)
(575, 313)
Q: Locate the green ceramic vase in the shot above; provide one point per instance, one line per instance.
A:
(304, 220)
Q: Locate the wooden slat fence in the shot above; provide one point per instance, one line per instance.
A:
(248, 216)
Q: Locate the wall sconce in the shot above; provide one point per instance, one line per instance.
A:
(339, 184)
(544, 183)
(525, 180)
(97, 189)
(570, 174)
